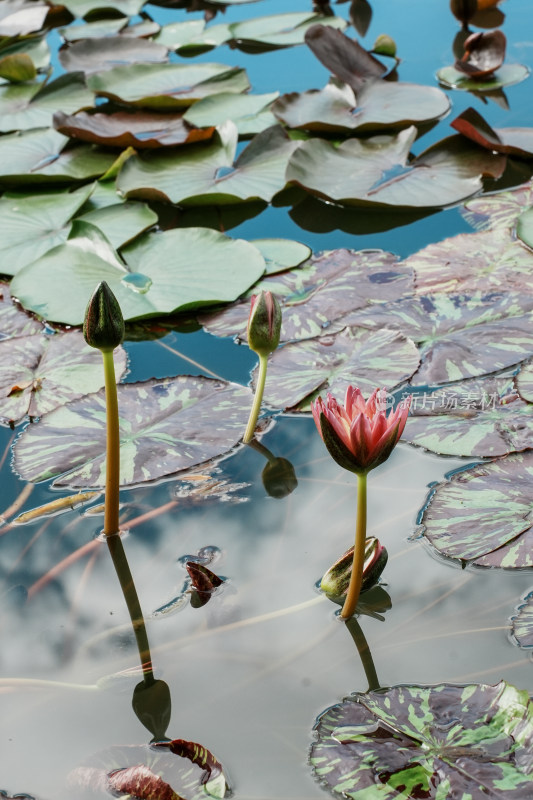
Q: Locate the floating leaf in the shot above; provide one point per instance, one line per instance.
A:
(522, 623)
(483, 514)
(312, 297)
(80, 8)
(167, 86)
(281, 254)
(524, 382)
(328, 364)
(97, 55)
(40, 156)
(484, 52)
(141, 129)
(513, 141)
(377, 171)
(466, 742)
(378, 105)
(507, 75)
(14, 321)
(19, 18)
(55, 507)
(35, 48)
(524, 227)
(122, 222)
(163, 275)
(211, 37)
(31, 225)
(30, 105)
(481, 418)
(166, 426)
(498, 210)
(475, 262)
(206, 174)
(176, 34)
(279, 30)
(17, 68)
(93, 30)
(40, 373)
(344, 57)
(249, 112)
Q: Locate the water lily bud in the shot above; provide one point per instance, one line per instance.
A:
(336, 580)
(264, 323)
(385, 46)
(103, 326)
(279, 478)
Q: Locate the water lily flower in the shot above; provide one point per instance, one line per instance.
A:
(359, 436)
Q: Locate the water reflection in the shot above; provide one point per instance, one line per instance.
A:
(278, 476)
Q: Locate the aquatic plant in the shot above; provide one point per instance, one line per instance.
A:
(264, 326)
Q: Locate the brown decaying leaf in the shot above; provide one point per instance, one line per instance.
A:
(346, 59)
(484, 54)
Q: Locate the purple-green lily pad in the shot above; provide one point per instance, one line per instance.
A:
(468, 742)
(38, 373)
(498, 210)
(522, 623)
(482, 515)
(14, 321)
(524, 382)
(166, 426)
(297, 371)
(312, 297)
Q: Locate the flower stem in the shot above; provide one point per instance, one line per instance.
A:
(259, 389)
(112, 477)
(356, 578)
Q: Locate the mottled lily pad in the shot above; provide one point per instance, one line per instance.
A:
(39, 373)
(14, 321)
(524, 227)
(167, 86)
(250, 112)
(507, 75)
(166, 426)
(377, 171)
(524, 382)
(162, 276)
(468, 742)
(30, 105)
(480, 418)
(141, 129)
(329, 286)
(378, 105)
(522, 623)
(328, 364)
(98, 55)
(482, 514)
(279, 30)
(207, 174)
(498, 210)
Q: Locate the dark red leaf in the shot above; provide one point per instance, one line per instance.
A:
(203, 580)
(141, 783)
(510, 141)
(199, 755)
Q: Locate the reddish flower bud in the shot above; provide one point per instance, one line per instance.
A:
(264, 323)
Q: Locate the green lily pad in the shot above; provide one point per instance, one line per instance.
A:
(482, 514)
(19, 17)
(211, 37)
(166, 426)
(312, 297)
(14, 321)
(31, 225)
(458, 336)
(522, 623)
(281, 254)
(378, 105)
(141, 130)
(475, 418)
(40, 373)
(80, 8)
(97, 55)
(250, 112)
(475, 262)
(167, 86)
(122, 222)
(176, 34)
(377, 171)
(35, 48)
(17, 68)
(279, 30)
(467, 742)
(41, 156)
(31, 105)
(498, 210)
(507, 75)
(93, 30)
(162, 278)
(207, 175)
(296, 371)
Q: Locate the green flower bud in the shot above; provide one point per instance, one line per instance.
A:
(336, 580)
(385, 46)
(103, 326)
(264, 323)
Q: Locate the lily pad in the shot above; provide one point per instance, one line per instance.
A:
(512, 141)
(377, 171)
(80, 8)
(31, 225)
(19, 17)
(524, 382)
(40, 373)
(475, 418)
(378, 105)
(312, 297)
(166, 426)
(167, 86)
(498, 210)
(41, 156)
(281, 254)
(17, 68)
(466, 742)
(176, 34)
(141, 129)
(279, 30)
(475, 262)
(211, 37)
(207, 174)
(507, 75)
(524, 227)
(522, 623)
(31, 105)
(97, 55)
(93, 30)
(484, 53)
(35, 48)
(162, 276)
(328, 364)
(482, 515)
(249, 112)
(14, 321)
(344, 57)
(122, 222)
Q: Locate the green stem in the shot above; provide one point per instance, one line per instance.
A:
(356, 632)
(125, 577)
(259, 389)
(112, 477)
(356, 578)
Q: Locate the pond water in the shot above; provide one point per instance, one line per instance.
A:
(250, 671)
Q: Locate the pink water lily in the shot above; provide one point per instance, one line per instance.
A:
(359, 435)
